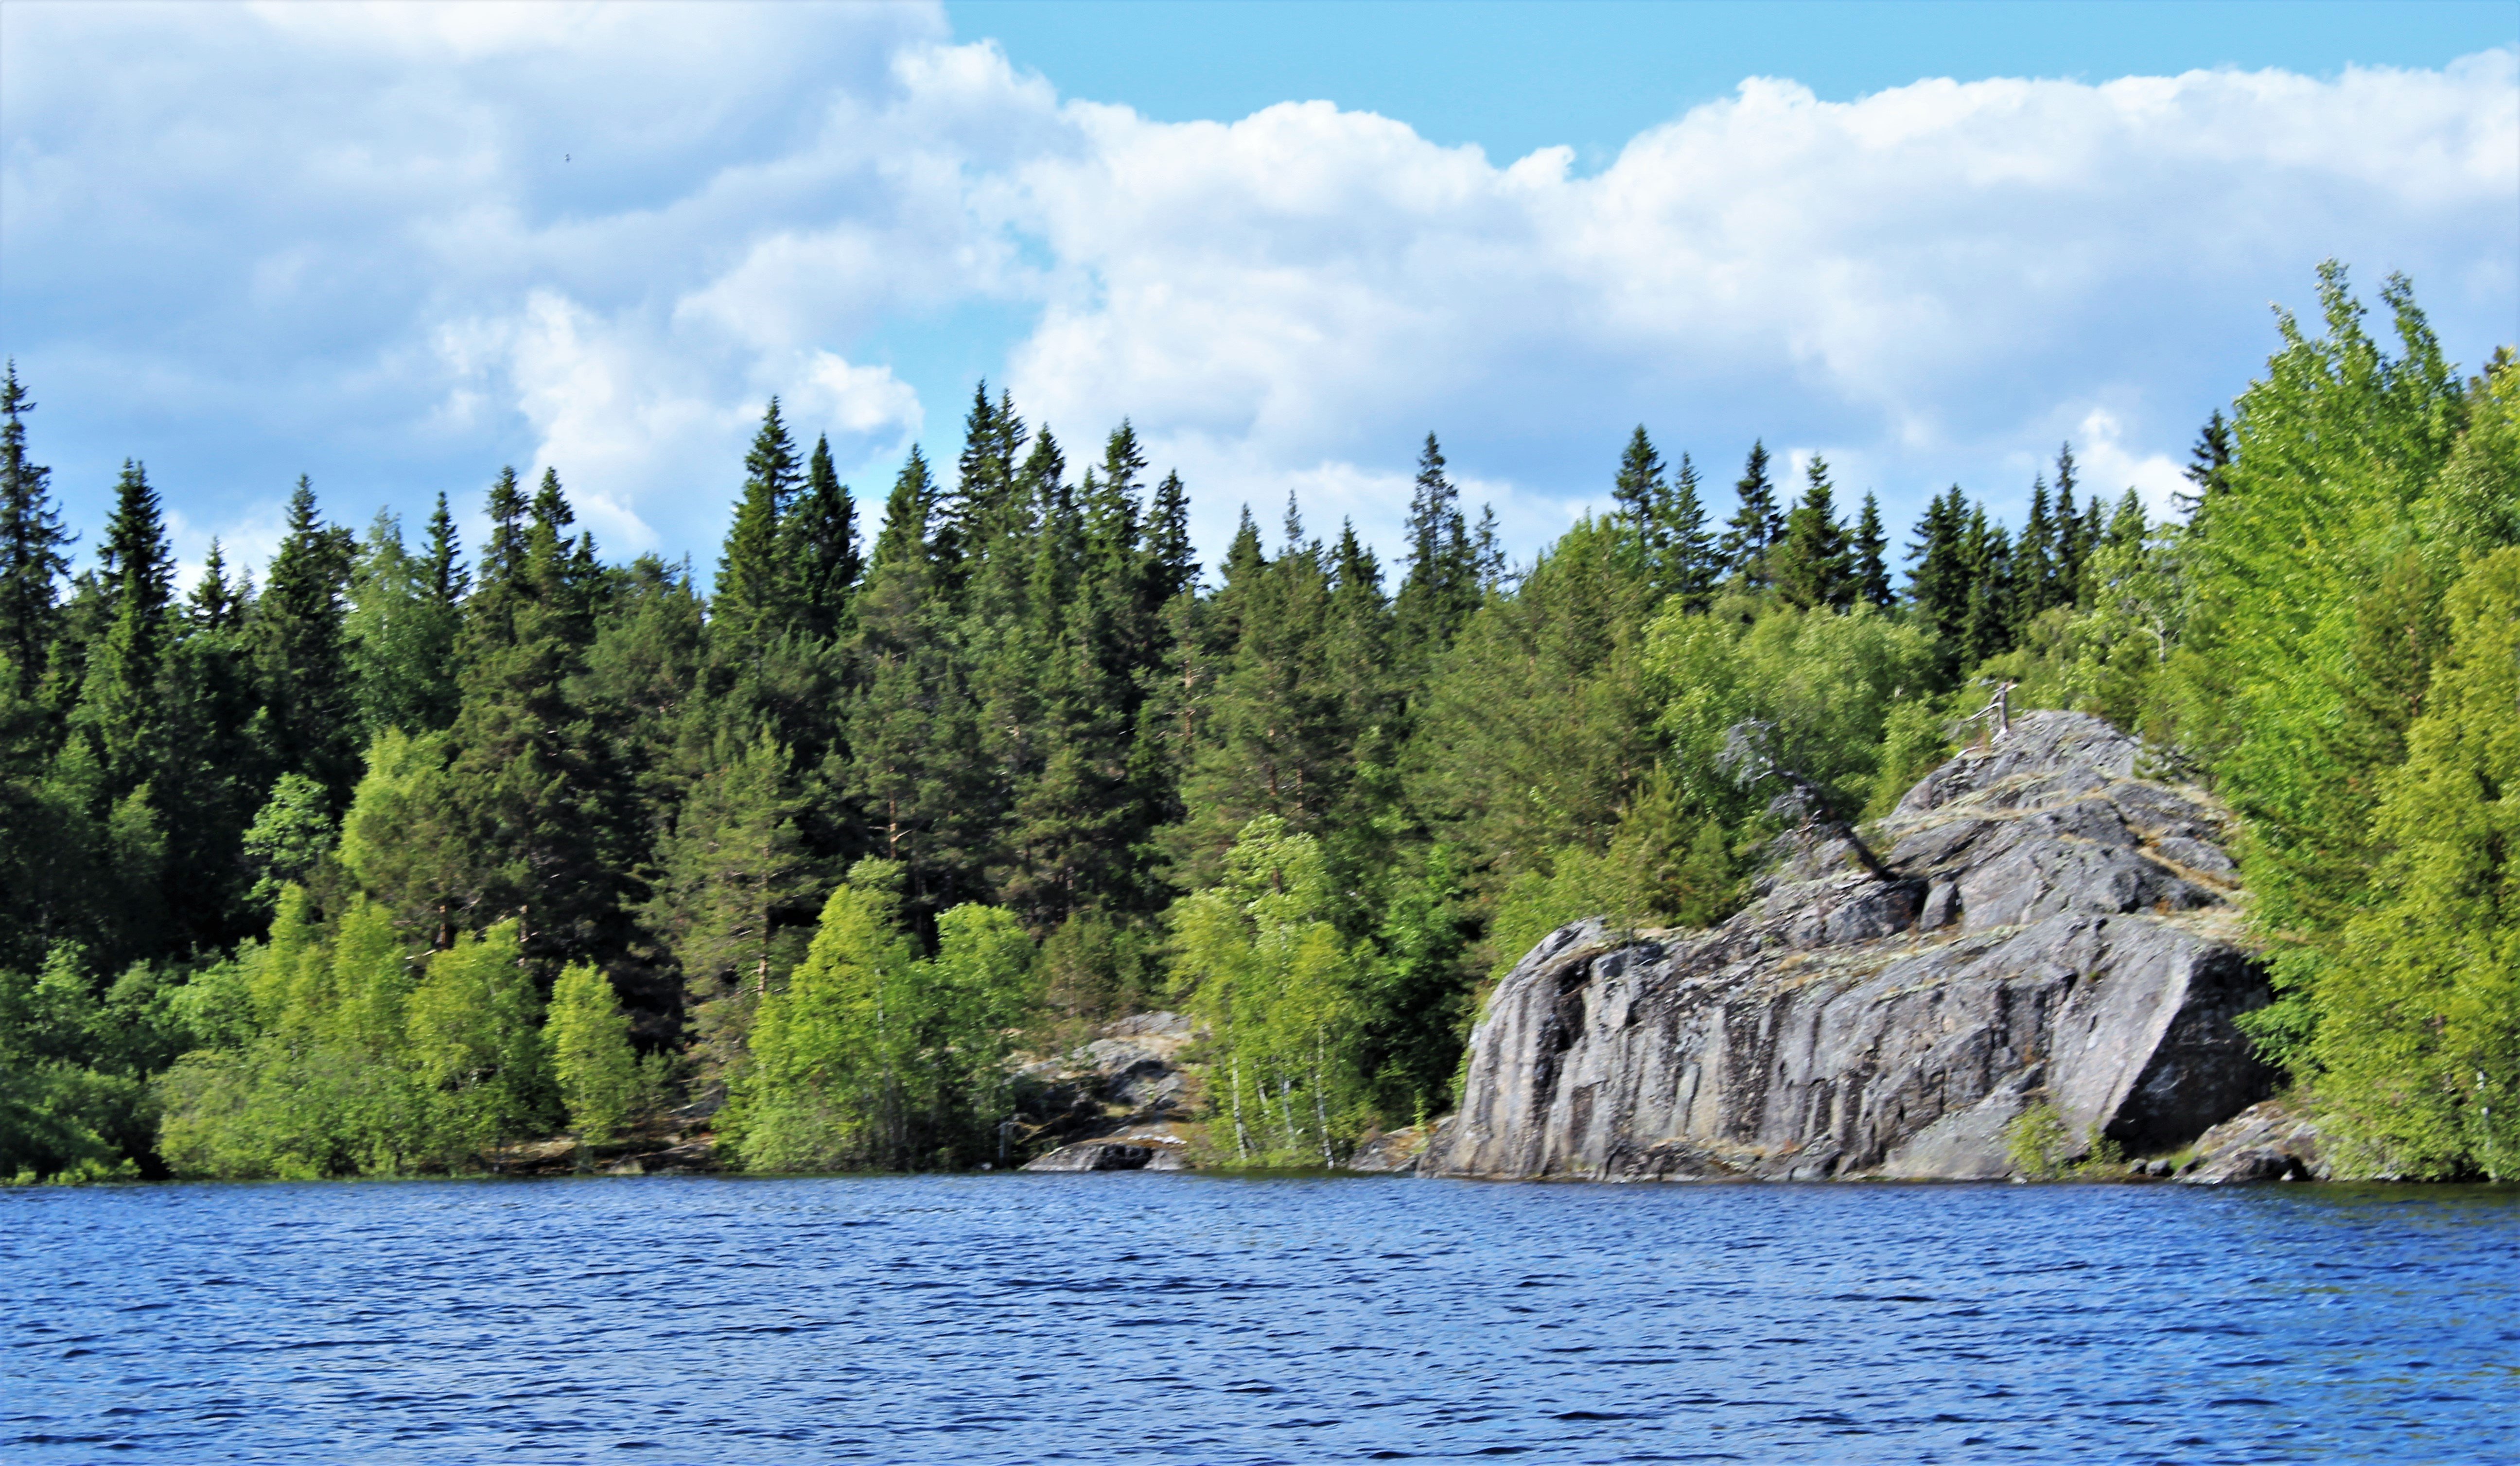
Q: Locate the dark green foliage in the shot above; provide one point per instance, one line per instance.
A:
(1638, 488)
(2209, 461)
(2038, 563)
(121, 711)
(347, 836)
(1442, 583)
(1669, 522)
(31, 545)
(753, 590)
(1871, 548)
(1755, 526)
(818, 540)
(1814, 565)
(302, 649)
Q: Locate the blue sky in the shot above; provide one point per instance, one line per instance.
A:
(394, 248)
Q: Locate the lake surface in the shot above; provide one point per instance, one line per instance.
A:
(1189, 1318)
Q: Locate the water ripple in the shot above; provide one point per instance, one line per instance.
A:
(1205, 1319)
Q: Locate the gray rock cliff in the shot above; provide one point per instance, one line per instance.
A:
(2056, 930)
(1121, 1103)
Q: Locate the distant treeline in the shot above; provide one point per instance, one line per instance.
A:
(398, 855)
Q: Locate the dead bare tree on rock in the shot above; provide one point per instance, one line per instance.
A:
(1751, 756)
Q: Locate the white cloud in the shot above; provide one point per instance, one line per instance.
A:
(1915, 283)
(345, 237)
(2110, 468)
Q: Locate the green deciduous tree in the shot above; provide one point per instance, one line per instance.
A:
(1258, 958)
(592, 1065)
(2418, 1047)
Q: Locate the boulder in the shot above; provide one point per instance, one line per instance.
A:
(1388, 1152)
(2056, 929)
(1137, 1150)
(2264, 1143)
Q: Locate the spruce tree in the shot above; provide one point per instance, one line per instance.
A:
(984, 490)
(31, 542)
(1170, 569)
(1755, 526)
(821, 548)
(916, 771)
(302, 651)
(546, 816)
(2035, 561)
(120, 705)
(2073, 540)
(219, 767)
(903, 536)
(1637, 489)
(1441, 587)
(751, 603)
(1871, 549)
(2209, 463)
(489, 613)
(444, 579)
(1813, 568)
(1938, 577)
(1690, 565)
(1986, 553)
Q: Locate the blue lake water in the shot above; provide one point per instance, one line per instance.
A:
(1189, 1318)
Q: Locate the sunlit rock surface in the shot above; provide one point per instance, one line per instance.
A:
(2058, 930)
(1120, 1103)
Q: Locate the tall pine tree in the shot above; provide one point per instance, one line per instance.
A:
(751, 603)
(820, 544)
(31, 542)
(1872, 550)
(1755, 526)
(121, 706)
(1690, 565)
(302, 651)
(1441, 586)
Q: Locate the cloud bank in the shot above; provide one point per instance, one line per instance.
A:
(397, 246)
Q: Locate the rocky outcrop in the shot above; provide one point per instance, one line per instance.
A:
(1137, 1151)
(1120, 1103)
(2055, 930)
(2264, 1143)
(1392, 1152)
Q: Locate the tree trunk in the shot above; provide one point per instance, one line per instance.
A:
(1242, 1136)
(1321, 1105)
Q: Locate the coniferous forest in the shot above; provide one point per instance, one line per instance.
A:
(409, 846)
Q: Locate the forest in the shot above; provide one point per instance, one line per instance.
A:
(409, 848)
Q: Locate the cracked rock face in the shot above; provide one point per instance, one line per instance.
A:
(2056, 930)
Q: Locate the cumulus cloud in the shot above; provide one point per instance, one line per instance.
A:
(398, 244)
(1932, 282)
